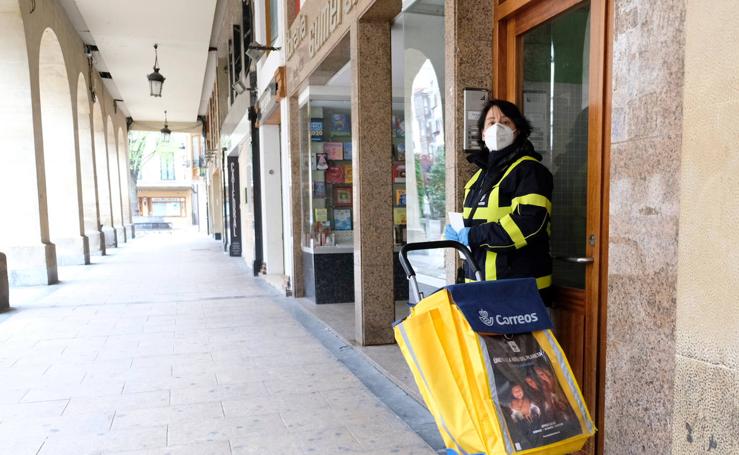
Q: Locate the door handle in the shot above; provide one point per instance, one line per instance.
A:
(575, 260)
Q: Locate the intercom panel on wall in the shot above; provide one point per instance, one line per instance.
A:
(474, 101)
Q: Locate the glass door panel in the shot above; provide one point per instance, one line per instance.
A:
(555, 99)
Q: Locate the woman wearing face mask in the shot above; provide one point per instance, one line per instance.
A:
(507, 204)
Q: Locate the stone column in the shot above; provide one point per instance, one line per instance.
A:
(4, 288)
(468, 57)
(648, 72)
(24, 229)
(295, 197)
(216, 208)
(372, 174)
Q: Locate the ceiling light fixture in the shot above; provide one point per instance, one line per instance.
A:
(166, 132)
(156, 80)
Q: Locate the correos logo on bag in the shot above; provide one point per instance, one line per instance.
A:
(507, 320)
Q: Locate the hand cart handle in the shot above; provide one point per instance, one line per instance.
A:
(438, 244)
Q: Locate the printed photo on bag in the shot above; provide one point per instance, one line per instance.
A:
(529, 396)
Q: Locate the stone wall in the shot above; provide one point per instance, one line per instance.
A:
(648, 49)
(706, 404)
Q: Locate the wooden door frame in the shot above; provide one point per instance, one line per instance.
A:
(510, 19)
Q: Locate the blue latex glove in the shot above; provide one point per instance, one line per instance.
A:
(464, 236)
(461, 236)
(450, 233)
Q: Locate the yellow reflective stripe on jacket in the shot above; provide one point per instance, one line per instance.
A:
(513, 231)
(473, 179)
(492, 211)
(532, 199)
(490, 272)
(544, 282)
(513, 166)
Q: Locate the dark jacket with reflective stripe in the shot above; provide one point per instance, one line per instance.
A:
(510, 229)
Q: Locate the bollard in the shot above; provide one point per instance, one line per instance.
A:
(4, 287)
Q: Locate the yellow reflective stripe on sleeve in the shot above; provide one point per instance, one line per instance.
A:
(532, 199)
(513, 231)
(472, 180)
(490, 272)
(544, 282)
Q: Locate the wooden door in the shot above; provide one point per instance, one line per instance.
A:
(550, 58)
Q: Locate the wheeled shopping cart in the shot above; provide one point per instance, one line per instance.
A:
(489, 367)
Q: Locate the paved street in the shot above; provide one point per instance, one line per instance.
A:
(168, 346)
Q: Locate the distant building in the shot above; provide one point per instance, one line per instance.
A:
(168, 186)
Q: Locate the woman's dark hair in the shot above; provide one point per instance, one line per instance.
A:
(509, 110)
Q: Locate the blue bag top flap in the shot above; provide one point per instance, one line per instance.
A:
(502, 306)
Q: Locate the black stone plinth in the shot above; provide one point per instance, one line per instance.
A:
(329, 277)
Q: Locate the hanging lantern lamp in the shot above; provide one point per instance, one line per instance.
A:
(166, 132)
(156, 80)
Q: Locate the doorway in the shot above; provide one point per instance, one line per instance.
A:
(550, 59)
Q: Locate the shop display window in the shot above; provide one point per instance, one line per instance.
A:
(326, 151)
(419, 165)
(400, 216)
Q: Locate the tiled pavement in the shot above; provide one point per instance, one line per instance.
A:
(170, 347)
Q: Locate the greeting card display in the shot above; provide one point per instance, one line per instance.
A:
(340, 124)
(321, 161)
(399, 215)
(321, 215)
(316, 129)
(400, 197)
(335, 174)
(342, 196)
(348, 151)
(348, 173)
(319, 189)
(343, 219)
(334, 150)
(399, 173)
(398, 126)
(399, 151)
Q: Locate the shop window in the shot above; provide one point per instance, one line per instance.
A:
(418, 136)
(272, 24)
(326, 167)
(166, 165)
(168, 206)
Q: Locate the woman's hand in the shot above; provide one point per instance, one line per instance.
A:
(461, 236)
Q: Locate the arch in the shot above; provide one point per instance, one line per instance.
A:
(102, 178)
(24, 237)
(66, 228)
(125, 179)
(115, 182)
(425, 200)
(91, 213)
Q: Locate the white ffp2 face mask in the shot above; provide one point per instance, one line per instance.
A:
(497, 137)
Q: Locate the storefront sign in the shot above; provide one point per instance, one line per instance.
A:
(318, 26)
(321, 27)
(233, 194)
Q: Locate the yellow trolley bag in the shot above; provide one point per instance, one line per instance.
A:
(489, 367)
